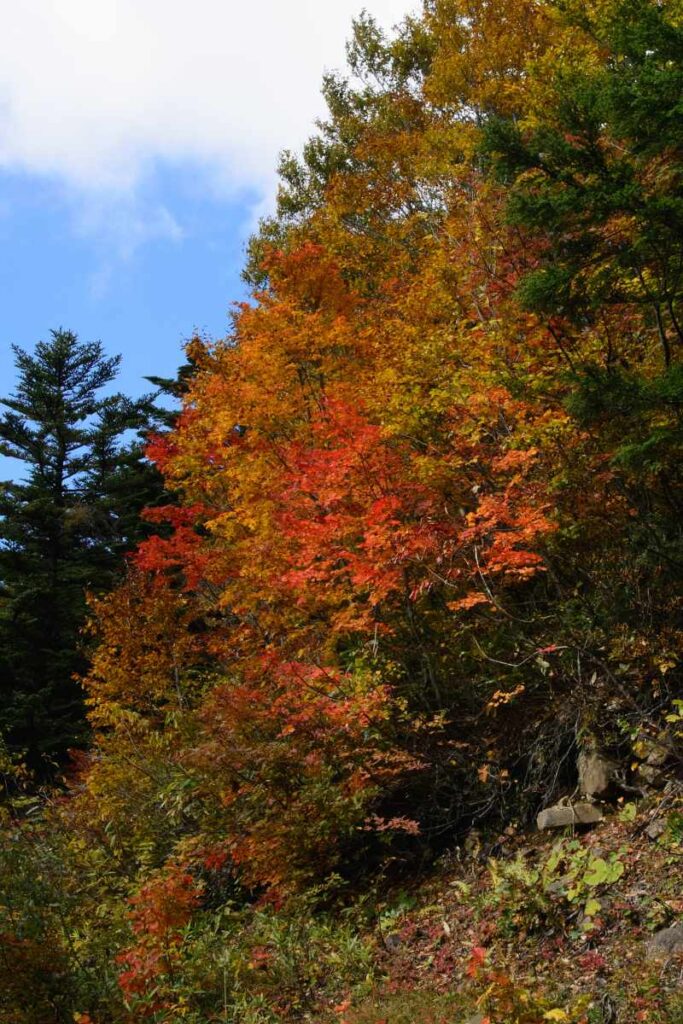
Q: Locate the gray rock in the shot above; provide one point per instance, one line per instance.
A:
(656, 828)
(666, 943)
(559, 886)
(569, 814)
(478, 1018)
(651, 776)
(653, 750)
(596, 773)
(659, 752)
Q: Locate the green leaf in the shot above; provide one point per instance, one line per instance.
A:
(592, 907)
(628, 812)
(599, 872)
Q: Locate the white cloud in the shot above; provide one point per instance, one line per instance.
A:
(95, 92)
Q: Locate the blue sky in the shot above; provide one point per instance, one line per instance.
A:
(142, 302)
(138, 141)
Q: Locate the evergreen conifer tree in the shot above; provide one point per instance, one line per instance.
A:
(64, 528)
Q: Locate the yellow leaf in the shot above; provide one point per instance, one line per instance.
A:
(555, 1015)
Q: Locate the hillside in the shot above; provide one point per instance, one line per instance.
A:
(508, 937)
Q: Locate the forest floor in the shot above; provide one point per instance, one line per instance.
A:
(538, 927)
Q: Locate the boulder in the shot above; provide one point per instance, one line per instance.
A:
(659, 751)
(653, 750)
(666, 943)
(651, 776)
(596, 773)
(568, 814)
(655, 829)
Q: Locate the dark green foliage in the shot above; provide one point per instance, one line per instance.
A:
(645, 417)
(64, 529)
(602, 179)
